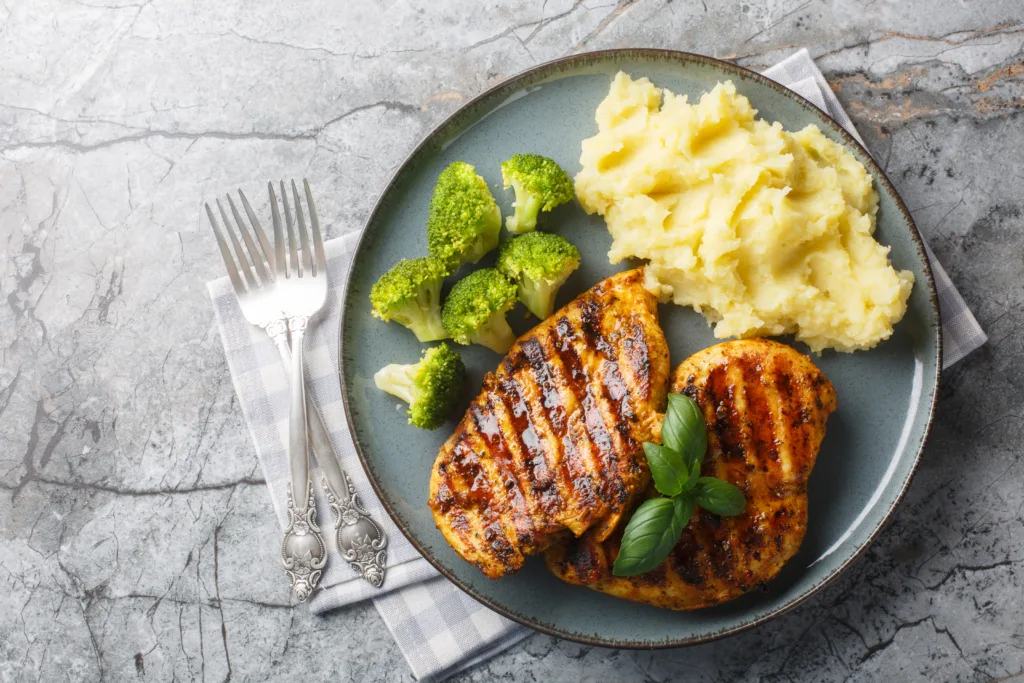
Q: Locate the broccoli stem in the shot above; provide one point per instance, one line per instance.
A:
(496, 334)
(488, 238)
(527, 207)
(398, 380)
(428, 327)
(538, 296)
(423, 316)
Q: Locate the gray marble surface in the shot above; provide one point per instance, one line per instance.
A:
(136, 538)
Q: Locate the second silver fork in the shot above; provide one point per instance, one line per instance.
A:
(360, 541)
(301, 280)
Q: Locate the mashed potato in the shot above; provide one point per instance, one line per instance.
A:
(764, 231)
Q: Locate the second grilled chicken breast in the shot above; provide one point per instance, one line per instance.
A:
(765, 405)
(553, 443)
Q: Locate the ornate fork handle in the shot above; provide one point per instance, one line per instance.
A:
(303, 552)
(362, 543)
(278, 331)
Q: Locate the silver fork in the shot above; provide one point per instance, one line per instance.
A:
(361, 541)
(302, 289)
(261, 296)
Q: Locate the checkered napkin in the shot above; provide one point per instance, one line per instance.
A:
(438, 628)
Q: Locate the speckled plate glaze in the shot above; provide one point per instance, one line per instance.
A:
(886, 396)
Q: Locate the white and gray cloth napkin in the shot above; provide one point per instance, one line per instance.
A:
(439, 629)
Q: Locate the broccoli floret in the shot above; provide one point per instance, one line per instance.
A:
(540, 185)
(464, 219)
(410, 294)
(430, 387)
(539, 263)
(474, 312)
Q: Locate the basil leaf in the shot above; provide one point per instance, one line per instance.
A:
(684, 429)
(691, 481)
(719, 497)
(667, 468)
(649, 537)
(683, 509)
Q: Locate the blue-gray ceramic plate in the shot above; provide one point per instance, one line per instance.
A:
(886, 396)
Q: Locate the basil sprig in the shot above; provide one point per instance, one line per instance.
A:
(652, 531)
(675, 465)
(684, 430)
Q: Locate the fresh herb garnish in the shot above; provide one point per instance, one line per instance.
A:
(683, 430)
(719, 497)
(650, 535)
(675, 464)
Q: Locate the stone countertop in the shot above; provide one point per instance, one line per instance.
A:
(136, 538)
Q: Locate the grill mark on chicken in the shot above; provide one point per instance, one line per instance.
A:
(556, 431)
(467, 471)
(533, 352)
(515, 460)
(607, 429)
(760, 420)
(475, 493)
(616, 397)
(684, 558)
(765, 406)
(602, 441)
(616, 391)
(724, 423)
(602, 417)
(576, 382)
(446, 501)
(586, 562)
(590, 325)
(572, 476)
(576, 470)
(613, 388)
(574, 482)
(499, 475)
(563, 346)
(636, 352)
(533, 461)
(719, 553)
(605, 334)
(594, 432)
(794, 414)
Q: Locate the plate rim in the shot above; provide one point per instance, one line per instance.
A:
(656, 54)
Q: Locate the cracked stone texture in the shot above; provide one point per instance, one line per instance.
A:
(136, 539)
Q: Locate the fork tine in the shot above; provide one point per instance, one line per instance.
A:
(258, 229)
(225, 254)
(254, 254)
(307, 255)
(280, 262)
(295, 264)
(239, 253)
(318, 239)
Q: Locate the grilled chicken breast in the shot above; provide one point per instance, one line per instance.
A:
(552, 446)
(765, 405)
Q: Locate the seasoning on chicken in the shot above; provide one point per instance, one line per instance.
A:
(553, 443)
(765, 405)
